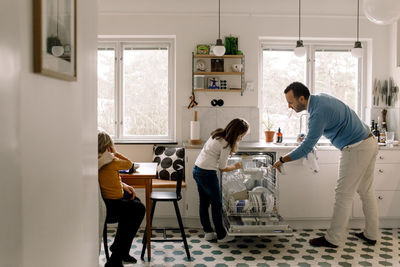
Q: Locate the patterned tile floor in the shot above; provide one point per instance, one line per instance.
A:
(267, 251)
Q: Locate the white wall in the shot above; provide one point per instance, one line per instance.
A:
(10, 177)
(395, 52)
(48, 148)
(194, 22)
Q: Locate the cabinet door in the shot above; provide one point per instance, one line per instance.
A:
(387, 177)
(388, 205)
(191, 193)
(304, 194)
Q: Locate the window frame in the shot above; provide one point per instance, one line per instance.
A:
(312, 46)
(142, 42)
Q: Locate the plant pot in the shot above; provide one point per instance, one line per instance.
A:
(269, 136)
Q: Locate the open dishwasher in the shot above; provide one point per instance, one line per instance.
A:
(250, 196)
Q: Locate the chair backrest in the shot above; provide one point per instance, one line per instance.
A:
(171, 165)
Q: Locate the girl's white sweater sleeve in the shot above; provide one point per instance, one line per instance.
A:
(214, 155)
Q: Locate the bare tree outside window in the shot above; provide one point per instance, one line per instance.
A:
(145, 89)
(335, 72)
(106, 90)
(136, 89)
(280, 68)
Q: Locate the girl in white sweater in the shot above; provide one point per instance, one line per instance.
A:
(213, 157)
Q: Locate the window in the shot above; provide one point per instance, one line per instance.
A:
(136, 90)
(327, 69)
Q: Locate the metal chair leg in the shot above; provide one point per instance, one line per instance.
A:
(178, 215)
(144, 240)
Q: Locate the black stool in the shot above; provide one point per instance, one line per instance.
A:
(171, 197)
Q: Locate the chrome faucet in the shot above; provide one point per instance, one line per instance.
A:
(301, 123)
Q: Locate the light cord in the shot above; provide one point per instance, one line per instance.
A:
(299, 17)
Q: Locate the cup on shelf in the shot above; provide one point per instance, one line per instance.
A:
(389, 139)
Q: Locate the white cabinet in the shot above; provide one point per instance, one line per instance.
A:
(386, 185)
(191, 193)
(305, 194)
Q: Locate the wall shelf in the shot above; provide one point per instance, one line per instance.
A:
(219, 90)
(213, 56)
(235, 80)
(220, 73)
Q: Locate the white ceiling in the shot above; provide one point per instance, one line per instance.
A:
(252, 7)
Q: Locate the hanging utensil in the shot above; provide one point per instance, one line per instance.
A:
(376, 92)
(379, 92)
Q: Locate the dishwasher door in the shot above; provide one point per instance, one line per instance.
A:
(250, 196)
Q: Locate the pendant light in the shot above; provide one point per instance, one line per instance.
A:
(357, 50)
(382, 12)
(219, 48)
(300, 50)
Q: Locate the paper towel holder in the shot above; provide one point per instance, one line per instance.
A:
(195, 141)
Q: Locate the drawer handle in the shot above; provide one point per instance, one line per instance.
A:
(380, 170)
(380, 157)
(380, 197)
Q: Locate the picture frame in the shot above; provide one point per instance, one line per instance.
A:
(202, 49)
(217, 65)
(397, 43)
(213, 83)
(54, 38)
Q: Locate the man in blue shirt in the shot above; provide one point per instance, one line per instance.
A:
(333, 119)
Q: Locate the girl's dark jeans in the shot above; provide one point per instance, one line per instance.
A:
(209, 194)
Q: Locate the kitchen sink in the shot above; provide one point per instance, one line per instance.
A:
(325, 144)
(291, 144)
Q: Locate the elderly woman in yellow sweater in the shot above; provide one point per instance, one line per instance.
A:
(120, 200)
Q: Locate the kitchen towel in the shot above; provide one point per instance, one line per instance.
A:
(195, 130)
(311, 160)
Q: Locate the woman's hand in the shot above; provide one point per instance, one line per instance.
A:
(129, 189)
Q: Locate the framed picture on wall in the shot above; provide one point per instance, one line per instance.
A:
(54, 38)
(397, 43)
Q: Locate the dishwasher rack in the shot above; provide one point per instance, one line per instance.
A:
(250, 196)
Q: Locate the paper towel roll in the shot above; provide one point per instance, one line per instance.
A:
(195, 130)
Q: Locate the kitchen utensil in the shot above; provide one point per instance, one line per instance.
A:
(379, 91)
(375, 93)
(385, 92)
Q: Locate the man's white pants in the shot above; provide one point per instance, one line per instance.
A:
(356, 174)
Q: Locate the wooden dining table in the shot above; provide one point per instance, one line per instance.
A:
(142, 178)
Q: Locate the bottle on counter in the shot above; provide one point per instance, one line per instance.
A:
(383, 131)
(372, 125)
(279, 136)
(376, 132)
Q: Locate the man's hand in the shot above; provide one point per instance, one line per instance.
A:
(238, 165)
(129, 189)
(277, 165)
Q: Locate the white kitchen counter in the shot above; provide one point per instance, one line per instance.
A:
(315, 190)
(262, 145)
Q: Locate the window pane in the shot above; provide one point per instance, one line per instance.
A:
(280, 68)
(336, 74)
(145, 92)
(106, 90)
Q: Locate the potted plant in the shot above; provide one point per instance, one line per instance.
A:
(269, 133)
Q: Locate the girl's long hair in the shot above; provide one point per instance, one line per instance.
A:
(231, 132)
